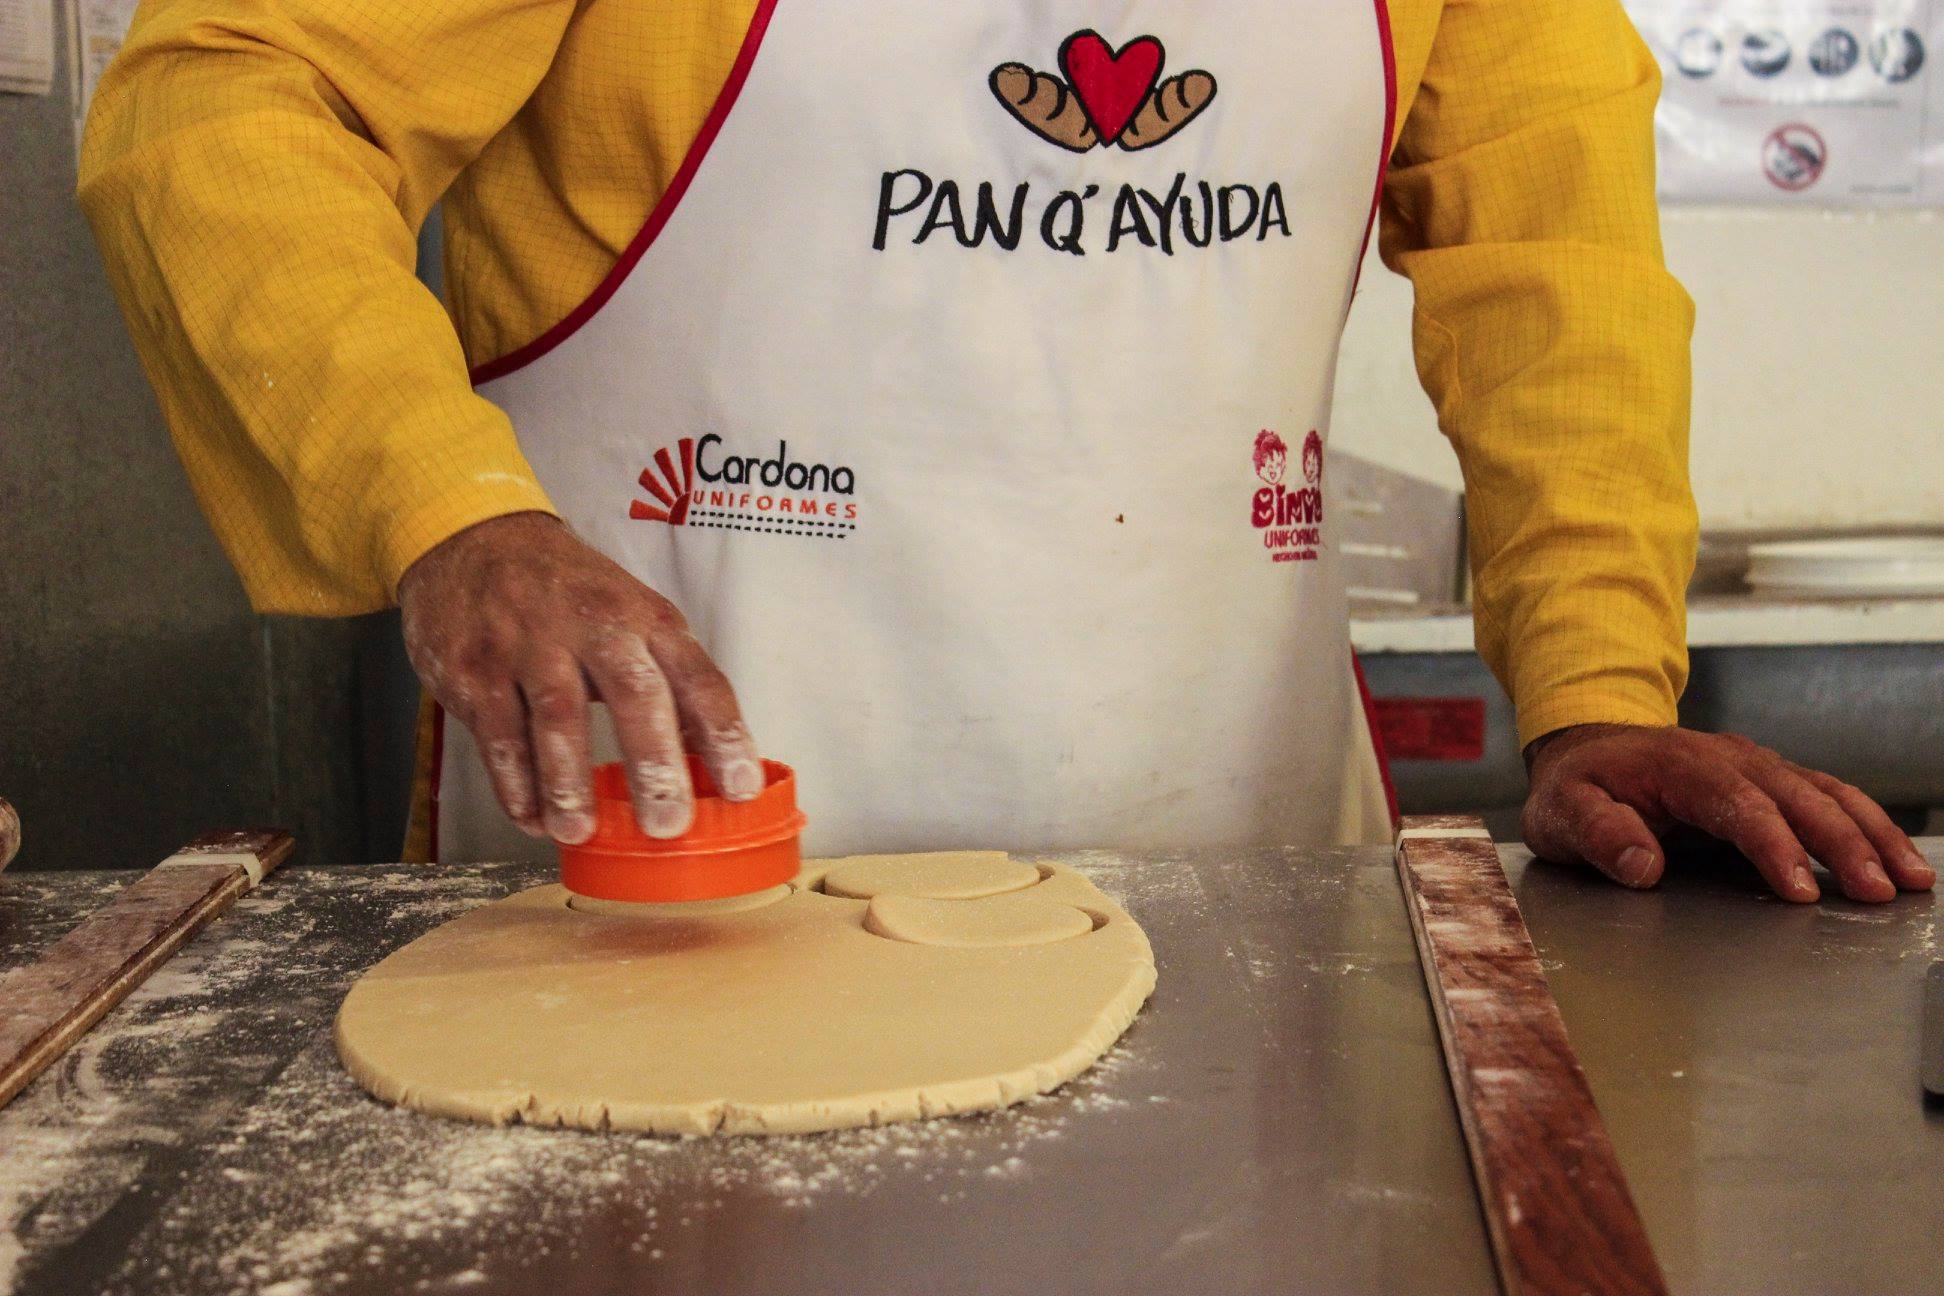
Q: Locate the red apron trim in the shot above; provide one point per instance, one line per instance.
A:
(1376, 741)
(1388, 45)
(657, 218)
(1390, 128)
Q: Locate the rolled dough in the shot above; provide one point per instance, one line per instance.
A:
(1022, 919)
(946, 875)
(811, 1011)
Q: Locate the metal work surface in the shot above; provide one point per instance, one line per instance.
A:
(1757, 1066)
(1277, 1119)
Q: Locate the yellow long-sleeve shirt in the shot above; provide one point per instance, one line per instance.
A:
(255, 171)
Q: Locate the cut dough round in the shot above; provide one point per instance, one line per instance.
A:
(786, 1017)
(947, 875)
(678, 908)
(1020, 918)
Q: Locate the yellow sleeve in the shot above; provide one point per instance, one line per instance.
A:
(1554, 344)
(254, 171)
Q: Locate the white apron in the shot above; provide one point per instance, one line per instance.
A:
(986, 458)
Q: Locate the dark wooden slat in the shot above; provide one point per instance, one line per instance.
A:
(1933, 1063)
(47, 1005)
(1556, 1203)
(9, 833)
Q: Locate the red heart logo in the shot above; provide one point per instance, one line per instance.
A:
(1111, 84)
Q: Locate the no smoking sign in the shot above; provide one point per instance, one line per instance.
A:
(1793, 157)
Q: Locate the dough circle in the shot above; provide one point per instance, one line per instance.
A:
(786, 1017)
(1020, 919)
(946, 875)
(679, 908)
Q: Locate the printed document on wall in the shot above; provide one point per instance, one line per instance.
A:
(26, 46)
(100, 26)
(1834, 103)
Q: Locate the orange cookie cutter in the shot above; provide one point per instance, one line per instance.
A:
(732, 848)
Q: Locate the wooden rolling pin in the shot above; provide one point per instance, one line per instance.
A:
(1557, 1208)
(9, 833)
(47, 1005)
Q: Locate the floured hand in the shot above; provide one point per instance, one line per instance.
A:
(515, 625)
(1602, 793)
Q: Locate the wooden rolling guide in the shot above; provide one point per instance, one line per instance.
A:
(1556, 1204)
(9, 833)
(47, 1005)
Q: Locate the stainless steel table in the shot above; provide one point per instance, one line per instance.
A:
(1757, 1066)
(1277, 1119)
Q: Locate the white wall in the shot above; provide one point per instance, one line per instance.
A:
(1819, 368)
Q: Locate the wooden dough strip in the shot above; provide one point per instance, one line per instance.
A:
(47, 1005)
(9, 833)
(1556, 1204)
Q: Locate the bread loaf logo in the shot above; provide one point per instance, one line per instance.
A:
(1291, 521)
(1105, 96)
(699, 483)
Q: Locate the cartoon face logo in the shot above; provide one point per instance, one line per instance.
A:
(1103, 96)
(1288, 517)
(1271, 457)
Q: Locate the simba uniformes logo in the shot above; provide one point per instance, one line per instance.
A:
(1291, 521)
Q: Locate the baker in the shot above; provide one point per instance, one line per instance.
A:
(1018, 325)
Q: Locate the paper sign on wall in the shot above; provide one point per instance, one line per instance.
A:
(26, 46)
(1811, 102)
(100, 26)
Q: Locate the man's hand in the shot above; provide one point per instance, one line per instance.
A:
(515, 625)
(1600, 794)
